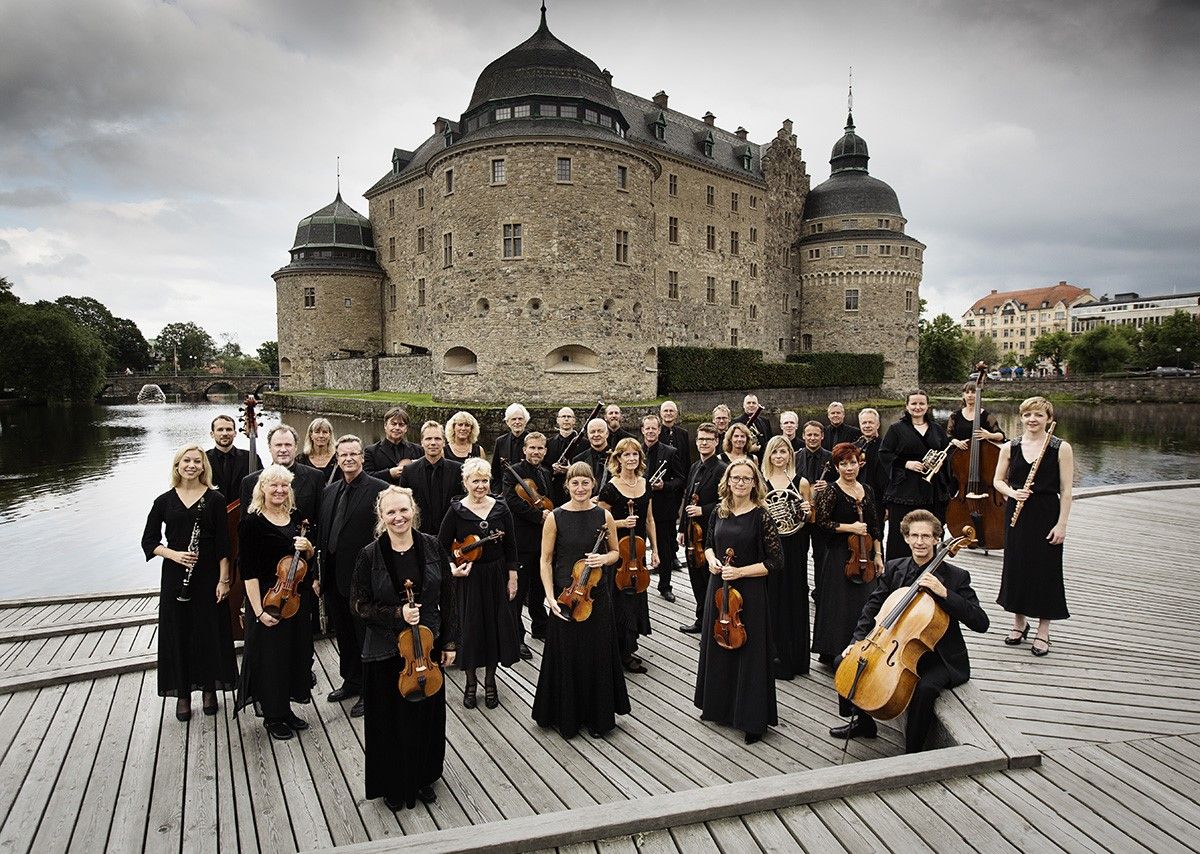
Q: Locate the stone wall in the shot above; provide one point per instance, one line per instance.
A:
(774, 400)
(348, 374)
(1124, 389)
(404, 373)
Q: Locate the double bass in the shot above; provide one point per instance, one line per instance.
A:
(728, 630)
(879, 674)
(421, 676)
(977, 503)
(633, 576)
(233, 516)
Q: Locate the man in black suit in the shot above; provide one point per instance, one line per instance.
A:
(516, 418)
(388, 457)
(758, 421)
(837, 430)
(872, 474)
(527, 532)
(674, 435)
(665, 494)
(307, 482)
(556, 447)
(596, 454)
(347, 524)
(434, 480)
(229, 464)
(702, 481)
(612, 417)
(815, 464)
(947, 664)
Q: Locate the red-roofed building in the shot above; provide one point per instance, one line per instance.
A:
(1014, 319)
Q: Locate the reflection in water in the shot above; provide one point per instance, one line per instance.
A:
(76, 483)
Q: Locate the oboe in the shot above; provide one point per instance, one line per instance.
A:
(1032, 474)
(185, 592)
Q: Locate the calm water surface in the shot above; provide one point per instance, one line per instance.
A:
(76, 483)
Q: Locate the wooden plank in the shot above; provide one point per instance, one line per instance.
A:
(875, 812)
(19, 758)
(199, 785)
(54, 630)
(731, 834)
(1130, 783)
(806, 826)
(694, 839)
(939, 832)
(164, 818)
(656, 842)
(33, 678)
(1015, 829)
(34, 601)
(855, 836)
(975, 830)
(769, 832)
(1003, 789)
(1016, 746)
(303, 806)
(13, 717)
(270, 812)
(128, 830)
(242, 815)
(341, 813)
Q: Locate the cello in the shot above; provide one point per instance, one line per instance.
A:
(576, 597)
(633, 576)
(282, 601)
(977, 503)
(879, 674)
(728, 631)
(421, 677)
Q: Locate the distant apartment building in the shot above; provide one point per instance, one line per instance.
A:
(1014, 319)
(1131, 309)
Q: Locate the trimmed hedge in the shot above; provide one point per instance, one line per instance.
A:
(683, 369)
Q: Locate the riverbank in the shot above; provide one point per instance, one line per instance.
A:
(1146, 389)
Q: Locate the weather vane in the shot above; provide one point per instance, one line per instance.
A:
(850, 94)
(339, 174)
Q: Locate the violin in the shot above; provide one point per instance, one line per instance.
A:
(576, 598)
(728, 630)
(977, 503)
(471, 546)
(526, 489)
(860, 566)
(633, 576)
(421, 677)
(879, 673)
(695, 546)
(282, 601)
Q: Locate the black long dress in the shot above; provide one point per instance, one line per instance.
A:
(328, 471)
(582, 682)
(489, 633)
(277, 660)
(476, 451)
(630, 610)
(735, 686)
(195, 642)
(1031, 582)
(788, 592)
(958, 426)
(840, 601)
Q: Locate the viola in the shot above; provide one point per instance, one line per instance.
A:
(728, 630)
(860, 566)
(695, 546)
(526, 489)
(977, 503)
(879, 673)
(633, 576)
(282, 601)
(576, 597)
(421, 676)
(471, 546)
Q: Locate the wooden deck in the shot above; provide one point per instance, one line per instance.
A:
(92, 759)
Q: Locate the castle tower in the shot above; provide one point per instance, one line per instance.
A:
(328, 299)
(860, 273)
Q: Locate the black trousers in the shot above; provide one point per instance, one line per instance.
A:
(668, 545)
(349, 631)
(818, 539)
(530, 595)
(699, 578)
(933, 678)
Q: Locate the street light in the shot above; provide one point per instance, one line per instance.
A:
(1178, 350)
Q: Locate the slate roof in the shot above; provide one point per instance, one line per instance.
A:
(335, 225)
(851, 193)
(859, 235)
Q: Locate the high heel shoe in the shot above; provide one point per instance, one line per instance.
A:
(183, 709)
(491, 697)
(1016, 641)
(469, 694)
(1043, 650)
(210, 703)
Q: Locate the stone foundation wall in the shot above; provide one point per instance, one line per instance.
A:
(348, 374)
(1126, 389)
(405, 373)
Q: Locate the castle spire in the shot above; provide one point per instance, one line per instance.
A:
(543, 24)
(850, 102)
(339, 177)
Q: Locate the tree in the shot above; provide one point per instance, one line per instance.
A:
(192, 346)
(7, 297)
(1175, 341)
(983, 349)
(123, 341)
(268, 354)
(47, 355)
(1052, 346)
(943, 350)
(1100, 349)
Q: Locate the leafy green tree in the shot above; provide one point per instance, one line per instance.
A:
(123, 341)
(48, 356)
(7, 297)
(1053, 346)
(268, 354)
(1099, 350)
(1030, 364)
(944, 350)
(1175, 341)
(187, 342)
(983, 349)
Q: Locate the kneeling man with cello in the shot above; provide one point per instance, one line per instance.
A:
(908, 645)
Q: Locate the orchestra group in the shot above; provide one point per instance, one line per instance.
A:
(428, 555)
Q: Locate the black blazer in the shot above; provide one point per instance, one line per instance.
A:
(307, 485)
(702, 480)
(357, 531)
(678, 438)
(228, 480)
(960, 603)
(380, 458)
(527, 519)
(844, 432)
(512, 448)
(811, 464)
(415, 478)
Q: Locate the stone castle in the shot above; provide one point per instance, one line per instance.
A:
(545, 244)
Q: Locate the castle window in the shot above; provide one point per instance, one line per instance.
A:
(391, 249)
(710, 295)
(572, 359)
(448, 249)
(733, 336)
(672, 284)
(786, 300)
(503, 113)
(391, 208)
(917, 254)
(622, 256)
(548, 110)
(851, 299)
(753, 234)
(884, 223)
(753, 202)
(521, 112)
(512, 240)
(498, 176)
(780, 345)
(673, 185)
(568, 111)
(420, 197)
(884, 249)
(710, 195)
(449, 181)
(904, 251)
(460, 360)
(591, 116)
(710, 238)
(787, 179)
(849, 223)
(310, 297)
(787, 256)
(909, 302)
(787, 217)
(814, 254)
(708, 145)
(392, 296)
(672, 229)
(860, 249)
(753, 311)
(606, 121)
(733, 243)
(421, 291)
(733, 202)
(816, 228)
(806, 342)
(754, 269)
(622, 177)
(660, 131)
(562, 172)
(734, 297)
(837, 251)
(349, 303)
(421, 239)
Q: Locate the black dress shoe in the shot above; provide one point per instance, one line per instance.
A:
(183, 709)
(343, 693)
(525, 652)
(279, 730)
(210, 703)
(296, 722)
(668, 595)
(633, 665)
(859, 725)
(427, 794)
(394, 804)
(595, 733)
(356, 711)
(693, 629)
(753, 737)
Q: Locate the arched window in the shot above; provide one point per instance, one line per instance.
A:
(652, 359)
(572, 359)
(285, 367)
(460, 360)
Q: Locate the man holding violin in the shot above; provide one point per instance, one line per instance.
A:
(947, 664)
(699, 500)
(528, 519)
(665, 472)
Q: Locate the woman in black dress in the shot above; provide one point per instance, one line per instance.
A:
(960, 424)
(319, 450)
(486, 585)
(628, 488)
(840, 600)
(788, 588)
(901, 452)
(277, 660)
(735, 686)
(581, 683)
(462, 438)
(738, 444)
(195, 643)
(1031, 582)
(405, 741)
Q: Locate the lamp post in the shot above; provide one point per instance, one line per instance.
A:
(1178, 350)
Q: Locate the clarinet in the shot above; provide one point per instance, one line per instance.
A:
(185, 592)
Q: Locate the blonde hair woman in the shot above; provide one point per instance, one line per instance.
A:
(788, 588)
(319, 450)
(462, 438)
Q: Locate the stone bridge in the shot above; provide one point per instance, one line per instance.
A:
(188, 386)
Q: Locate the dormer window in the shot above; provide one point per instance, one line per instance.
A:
(503, 113)
(708, 144)
(660, 127)
(521, 112)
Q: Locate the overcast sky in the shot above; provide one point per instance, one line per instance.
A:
(157, 156)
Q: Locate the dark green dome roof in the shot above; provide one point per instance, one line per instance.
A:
(850, 190)
(335, 225)
(849, 152)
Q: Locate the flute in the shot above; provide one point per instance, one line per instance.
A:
(1032, 474)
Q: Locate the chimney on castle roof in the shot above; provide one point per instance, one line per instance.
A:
(1063, 282)
(709, 118)
(607, 75)
(742, 133)
(994, 290)
(660, 99)
(439, 125)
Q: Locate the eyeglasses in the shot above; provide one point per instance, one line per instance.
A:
(741, 478)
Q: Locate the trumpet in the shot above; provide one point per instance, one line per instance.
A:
(934, 460)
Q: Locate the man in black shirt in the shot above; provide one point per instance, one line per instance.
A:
(527, 531)
(596, 454)
(815, 464)
(665, 494)
(347, 525)
(558, 443)
(388, 457)
(702, 482)
(674, 435)
(612, 417)
(516, 417)
(434, 480)
(229, 464)
(837, 430)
